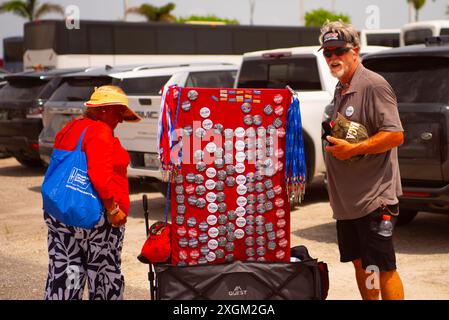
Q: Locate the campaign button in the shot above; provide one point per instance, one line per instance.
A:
(218, 128)
(219, 163)
(250, 209)
(242, 201)
(213, 232)
(212, 244)
(192, 95)
(219, 186)
(281, 223)
(230, 181)
(268, 206)
(200, 203)
(280, 254)
(239, 233)
(241, 189)
(283, 243)
(250, 132)
(203, 226)
(249, 230)
(187, 131)
(260, 240)
(280, 234)
(260, 220)
(200, 133)
(271, 245)
(182, 254)
(199, 179)
(279, 202)
(232, 215)
(211, 172)
(240, 211)
(228, 133)
(230, 246)
(211, 197)
(222, 207)
(257, 120)
(268, 109)
(249, 241)
(210, 184)
(221, 196)
(212, 207)
(193, 243)
(239, 132)
(222, 219)
(278, 99)
(240, 156)
(211, 257)
(239, 145)
(179, 220)
(193, 233)
(248, 119)
(207, 124)
(181, 231)
(250, 220)
(179, 178)
(203, 237)
(180, 199)
(240, 222)
(205, 112)
(246, 107)
(211, 147)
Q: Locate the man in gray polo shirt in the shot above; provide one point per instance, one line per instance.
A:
(363, 191)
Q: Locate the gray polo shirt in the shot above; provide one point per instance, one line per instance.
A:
(360, 187)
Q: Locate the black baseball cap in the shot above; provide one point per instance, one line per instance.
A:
(333, 39)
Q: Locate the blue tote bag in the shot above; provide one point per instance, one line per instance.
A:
(67, 191)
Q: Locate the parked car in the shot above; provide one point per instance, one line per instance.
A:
(418, 75)
(21, 104)
(143, 86)
(305, 70)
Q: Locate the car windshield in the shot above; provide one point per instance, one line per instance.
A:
(415, 79)
(23, 89)
(300, 73)
(78, 89)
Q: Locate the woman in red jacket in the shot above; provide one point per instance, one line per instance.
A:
(77, 254)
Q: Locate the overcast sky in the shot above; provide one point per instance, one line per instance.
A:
(363, 13)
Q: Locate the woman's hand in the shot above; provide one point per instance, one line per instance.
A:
(118, 219)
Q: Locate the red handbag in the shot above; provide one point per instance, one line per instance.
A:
(157, 247)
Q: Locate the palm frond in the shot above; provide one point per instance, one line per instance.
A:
(15, 6)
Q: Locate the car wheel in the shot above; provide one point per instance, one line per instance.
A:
(28, 162)
(406, 216)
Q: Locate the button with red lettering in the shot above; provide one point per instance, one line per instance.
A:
(205, 112)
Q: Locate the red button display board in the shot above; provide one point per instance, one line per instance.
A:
(229, 201)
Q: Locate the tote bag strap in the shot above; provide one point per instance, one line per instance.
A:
(80, 140)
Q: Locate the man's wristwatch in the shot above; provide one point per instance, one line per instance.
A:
(114, 211)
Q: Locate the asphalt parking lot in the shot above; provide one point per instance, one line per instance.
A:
(422, 247)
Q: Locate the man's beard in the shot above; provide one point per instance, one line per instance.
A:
(340, 73)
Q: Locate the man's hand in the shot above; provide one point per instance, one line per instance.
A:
(341, 149)
(118, 219)
(379, 143)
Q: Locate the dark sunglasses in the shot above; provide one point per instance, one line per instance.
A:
(338, 51)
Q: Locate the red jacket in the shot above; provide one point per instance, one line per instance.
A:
(107, 161)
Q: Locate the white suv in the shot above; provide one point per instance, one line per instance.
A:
(143, 86)
(305, 70)
(140, 139)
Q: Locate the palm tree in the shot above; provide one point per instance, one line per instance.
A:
(30, 9)
(417, 4)
(153, 13)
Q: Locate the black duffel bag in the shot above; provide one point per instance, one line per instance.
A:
(304, 280)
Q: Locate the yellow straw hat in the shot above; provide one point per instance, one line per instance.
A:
(110, 96)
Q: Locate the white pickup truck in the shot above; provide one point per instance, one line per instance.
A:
(305, 70)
